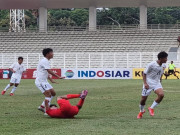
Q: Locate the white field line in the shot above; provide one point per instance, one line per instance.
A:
(171, 91)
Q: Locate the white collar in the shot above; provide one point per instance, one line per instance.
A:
(158, 64)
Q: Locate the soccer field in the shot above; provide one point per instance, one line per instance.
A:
(111, 108)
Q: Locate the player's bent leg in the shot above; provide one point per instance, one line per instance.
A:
(145, 94)
(11, 84)
(6, 88)
(176, 75)
(53, 93)
(16, 84)
(81, 101)
(160, 94)
(14, 89)
(160, 97)
(141, 106)
(48, 91)
(143, 100)
(47, 100)
(69, 96)
(47, 94)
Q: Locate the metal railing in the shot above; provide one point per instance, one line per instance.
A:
(101, 27)
(89, 60)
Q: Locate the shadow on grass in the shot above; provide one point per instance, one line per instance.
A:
(75, 118)
(159, 118)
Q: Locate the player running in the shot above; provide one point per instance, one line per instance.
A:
(43, 71)
(17, 69)
(66, 110)
(152, 81)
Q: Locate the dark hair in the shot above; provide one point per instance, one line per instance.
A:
(20, 58)
(53, 105)
(162, 55)
(46, 51)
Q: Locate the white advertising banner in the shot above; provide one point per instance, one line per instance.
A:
(97, 73)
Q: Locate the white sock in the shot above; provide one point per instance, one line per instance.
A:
(43, 103)
(7, 87)
(154, 105)
(141, 108)
(13, 89)
(51, 98)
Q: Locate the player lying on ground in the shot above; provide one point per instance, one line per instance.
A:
(17, 69)
(43, 71)
(152, 81)
(66, 110)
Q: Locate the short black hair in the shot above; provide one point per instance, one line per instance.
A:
(20, 58)
(162, 54)
(53, 105)
(46, 51)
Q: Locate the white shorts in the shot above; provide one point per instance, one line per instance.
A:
(15, 80)
(147, 92)
(43, 86)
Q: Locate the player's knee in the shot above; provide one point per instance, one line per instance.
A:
(47, 94)
(53, 93)
(143, 100)
(11, 84)
(79, 107)
(16, 85)
(161, 95)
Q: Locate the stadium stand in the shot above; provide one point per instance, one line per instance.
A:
(88, 49)
(86, 41)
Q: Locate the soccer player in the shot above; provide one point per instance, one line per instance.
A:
(43, 71)
(17, 69)
(66, 110)
(152, 82)
(172, 69)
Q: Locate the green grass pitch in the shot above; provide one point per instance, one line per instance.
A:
(110, 108)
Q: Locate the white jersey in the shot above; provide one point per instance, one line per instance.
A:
(42, 74)
(19, 69)
(164, 65)
(153, 73)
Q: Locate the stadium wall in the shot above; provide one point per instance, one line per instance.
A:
(29, 74)
(91, 73)
(109, 73)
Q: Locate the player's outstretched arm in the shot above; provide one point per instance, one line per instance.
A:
(50, 79)
(53, 74)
